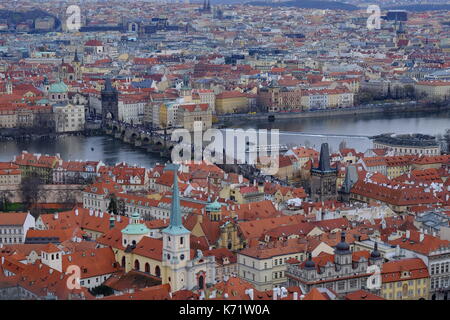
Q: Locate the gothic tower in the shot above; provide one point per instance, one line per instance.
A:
(323, 178)
(110, 101)
(176, 242)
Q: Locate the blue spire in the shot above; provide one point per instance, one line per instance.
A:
(176, 223)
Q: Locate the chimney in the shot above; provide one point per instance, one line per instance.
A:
(50, 271)
(55, 216)
(284, 292)
(408, 234)
(295, 297)
(276, 292)
(250, 293)
(3, 260)
(91, 212)
(76, 212)
(421, 237)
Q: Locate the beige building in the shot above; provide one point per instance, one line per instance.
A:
(231, 102)
(265, 267)
(10, 174)
(8, 117)
(434, 89)
(189, 113)
(68, 117)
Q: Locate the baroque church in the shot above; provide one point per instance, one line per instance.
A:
(170, 259)
(71, 71)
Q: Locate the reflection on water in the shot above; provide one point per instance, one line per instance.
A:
(107, 149)
(354, 130)
(296, 131)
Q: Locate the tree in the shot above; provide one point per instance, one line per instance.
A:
(5, 195)
(410, 91)
(67, 197)
(121, 207)
(31, 189)
(342, 145)
(112, 207)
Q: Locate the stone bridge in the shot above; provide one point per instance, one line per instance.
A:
(141, 137)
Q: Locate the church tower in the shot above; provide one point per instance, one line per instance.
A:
(176, 242)
(185, 90)
(76, 64)
(323, 178)
(9, 87)
(342, 253)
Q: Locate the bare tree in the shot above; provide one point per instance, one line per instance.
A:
(5, 196)
(342, 145)
(31, 189)
(67, 197)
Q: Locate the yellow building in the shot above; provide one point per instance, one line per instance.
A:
(231, 102)
(406, 279)
(397, 165)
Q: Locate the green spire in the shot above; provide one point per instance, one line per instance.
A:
(176, 223)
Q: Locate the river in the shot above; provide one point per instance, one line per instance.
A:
(307, 131)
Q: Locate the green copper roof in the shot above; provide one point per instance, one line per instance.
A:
(213, 207)
(60, 87)
(135, 228)
(176, 224)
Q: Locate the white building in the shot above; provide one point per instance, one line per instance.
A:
(69, 117)
(14, 227)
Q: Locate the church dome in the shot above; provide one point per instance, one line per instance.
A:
(309, 264)
(375, 254)
(135, 227)
(213, 207)
(342, 247)
(60, 87)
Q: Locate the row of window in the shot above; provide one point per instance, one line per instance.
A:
(88, 281)
(11, 240)
(11, 231)
(439, 268)
(442, 282)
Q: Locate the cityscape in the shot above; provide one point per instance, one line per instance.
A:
(224, 150)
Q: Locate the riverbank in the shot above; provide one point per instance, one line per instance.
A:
(353, 111)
